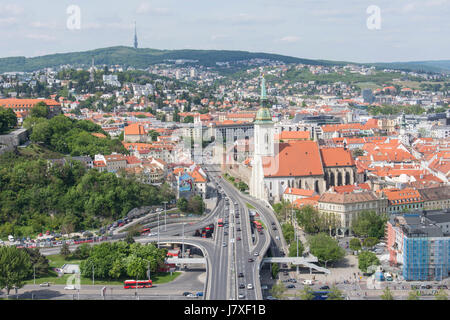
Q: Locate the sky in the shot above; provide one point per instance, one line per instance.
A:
(408, 30)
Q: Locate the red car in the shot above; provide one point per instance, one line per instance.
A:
(238, 238)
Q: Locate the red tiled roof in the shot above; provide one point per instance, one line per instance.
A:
(300, 158)
(337, 157)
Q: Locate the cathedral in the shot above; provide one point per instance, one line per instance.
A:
(277, 166)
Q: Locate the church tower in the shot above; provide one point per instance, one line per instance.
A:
(263, 144)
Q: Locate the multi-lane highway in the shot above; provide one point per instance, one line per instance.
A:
(235, 251)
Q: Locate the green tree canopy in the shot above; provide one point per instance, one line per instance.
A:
(325, 248)
(40, 110)
(8, 119)
(367, 259)
(370, 224)
(15, 267)
(355, 244)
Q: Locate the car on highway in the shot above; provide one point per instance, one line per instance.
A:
(224, 244)
(277, 238)
(241, 286)
(271, 298)
(238, 229)
(256, 254)
(250, 260)
(240, 275)
(285, 273)
(191, 295)
(238, 238)
(264, 287)
(249, 286)
(44, 284)
(186, 293)
(274, 228)
(70, 287)
(225, 233)
(241, 296)
(273, 223)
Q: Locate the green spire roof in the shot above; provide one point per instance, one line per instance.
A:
(263, 115)
(263, 89)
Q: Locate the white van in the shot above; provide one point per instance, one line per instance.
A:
(308, 282)
(11, 238)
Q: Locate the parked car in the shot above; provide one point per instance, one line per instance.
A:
(290, 286)
(308, 282)
(292, 280)
(324, 288)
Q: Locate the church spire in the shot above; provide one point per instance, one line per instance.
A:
(135, 36)
(263, 90)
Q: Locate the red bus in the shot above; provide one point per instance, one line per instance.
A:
(131, 284)
(220, 222)
(145, 231)
(258, 225)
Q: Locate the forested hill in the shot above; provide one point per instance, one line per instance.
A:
(141, 58)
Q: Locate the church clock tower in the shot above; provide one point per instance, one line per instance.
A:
(263, 144)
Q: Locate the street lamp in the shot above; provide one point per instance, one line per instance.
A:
(165, 216)
(34, 274)
(158, 230)
(93, 274)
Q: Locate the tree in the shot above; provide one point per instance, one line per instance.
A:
(370, 242)
(387, 294)
(182, 204)
(8, 119)
(188, 119)
(275, 270)
(82, 252)
(39, 262)
(293, 249)
(42, 132)
(413, 295)
(288, 232)
(154, 134)
(441, 295)
(325, 248)
(64, 251)
(278, 289)
(370, 224)
(355, 244)
(15, 267)
(309, 219)
(307, 293)
(367, 259)
(40, 110)
(196, 205)
(129, 238)
(335, 294)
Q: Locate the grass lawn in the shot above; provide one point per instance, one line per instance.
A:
(250, 206)
(57, 261)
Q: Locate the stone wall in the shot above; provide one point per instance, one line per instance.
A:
(12, 140)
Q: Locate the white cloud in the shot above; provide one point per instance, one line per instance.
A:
(290, 39)
(45, 25)
(147, 8)
(10, 9)
(40, 37)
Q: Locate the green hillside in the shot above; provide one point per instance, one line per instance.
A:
(140, 58)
